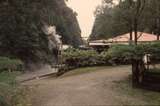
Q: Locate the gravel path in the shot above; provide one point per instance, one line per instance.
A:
(93, 88)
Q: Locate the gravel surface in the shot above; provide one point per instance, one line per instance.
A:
(94, 88)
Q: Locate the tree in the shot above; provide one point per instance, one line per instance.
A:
(130, 16)
(134, 54)
(22, 21)
(126, 16)
(156, 5)
(125, 11)
(108, 23)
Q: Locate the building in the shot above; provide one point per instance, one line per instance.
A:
(125, 38)
(99, 45)
(102, 44)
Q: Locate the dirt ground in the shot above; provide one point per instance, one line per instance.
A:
(93, 88)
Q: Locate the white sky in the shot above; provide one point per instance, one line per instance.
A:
(85, 10)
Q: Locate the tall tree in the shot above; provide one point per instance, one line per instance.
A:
(22, 21)
(126, 16)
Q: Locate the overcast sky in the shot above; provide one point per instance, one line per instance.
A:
(85, 10)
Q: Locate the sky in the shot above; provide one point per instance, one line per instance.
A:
(85, 10)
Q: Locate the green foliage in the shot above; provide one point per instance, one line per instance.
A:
(11, 94)
(108, 22)
(126, 53)
(21, 27)
(20, 30)
(117, 54)
(10, 64)
(74, 58)
(8, 77)
(134, 52)
(129, 15)
(79, 58)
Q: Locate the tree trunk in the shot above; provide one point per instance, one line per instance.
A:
(158, 25)
(158, 37)
(130, 38)
(138, 69)
(135, 31)
(135, 73)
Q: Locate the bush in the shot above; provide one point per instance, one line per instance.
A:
(127, 53)
(120, 53)
(10, 64)
(117, 54)
(11, 94)
(81, 58)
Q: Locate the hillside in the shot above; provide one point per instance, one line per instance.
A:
(21, 29)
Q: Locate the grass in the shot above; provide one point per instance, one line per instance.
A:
(138, 96)
(84, 70)
(8, 77)
(11, 93)
(154, 71)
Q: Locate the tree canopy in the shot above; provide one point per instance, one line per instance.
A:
(126, 16)
(21, 33)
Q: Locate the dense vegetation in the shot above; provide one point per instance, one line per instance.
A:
(7, 64)
(115, 55)
(22, 21)
(134, 52)
(23, 41)
(81, 58)
(128, 15)
(11, 94)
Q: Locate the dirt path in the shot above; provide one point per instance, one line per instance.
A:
(93, 88)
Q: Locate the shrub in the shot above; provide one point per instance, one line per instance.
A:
(120, 53)
(80, 58)
(10, 64)
(11, 94)
(127, 53)
(116, 54)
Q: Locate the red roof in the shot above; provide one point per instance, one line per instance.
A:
(142, 37)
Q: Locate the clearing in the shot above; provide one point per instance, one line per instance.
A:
(91, 86)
